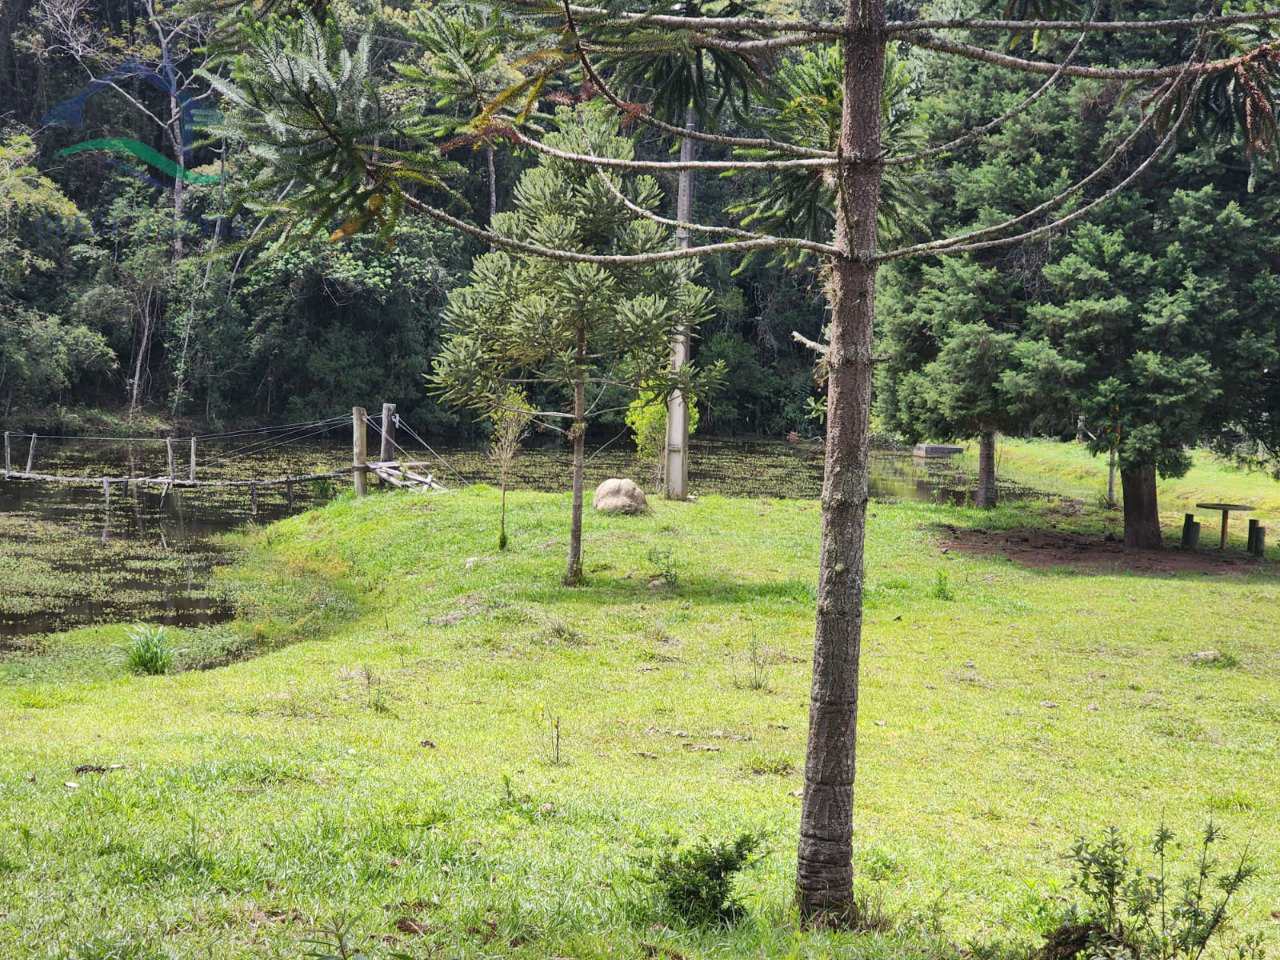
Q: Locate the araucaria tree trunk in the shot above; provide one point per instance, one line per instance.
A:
(824, 872)
(984, 497)
(1141, 511)
(676, 450)
(573, 573)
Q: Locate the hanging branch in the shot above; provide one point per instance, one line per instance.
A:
(1089, 26)
(1072, 217)
(1170, 89)
(668, 166)
(606, 259)
(991, 125)
(961, 244)
(671, 129)
(601, 16)
(982, 54)
(824, 249)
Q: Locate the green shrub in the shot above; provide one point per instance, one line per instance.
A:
(696, 882)
(148, 651)
(941, 589)
(1125, 911)
(647, 419)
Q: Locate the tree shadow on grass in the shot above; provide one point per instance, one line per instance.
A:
(704, 590)
(1058, 552)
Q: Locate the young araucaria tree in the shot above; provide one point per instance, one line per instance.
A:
(510, 417)
(318, 126)
(580, 331)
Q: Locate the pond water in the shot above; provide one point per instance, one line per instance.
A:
(68, 558)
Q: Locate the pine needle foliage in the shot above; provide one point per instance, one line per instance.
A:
(802, 106)
(330, 152)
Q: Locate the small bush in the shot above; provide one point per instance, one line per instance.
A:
(765, 765)
(941, 589)
(757, 676)
(696, 882)
(664, 567)
(1125, 911)
(647, 418)
(148, 651)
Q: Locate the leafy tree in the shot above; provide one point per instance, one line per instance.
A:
(463, 68)
(959, 363)
(42, 353)
(1164, 332)
(510, 416)
(367, 177)
(579, 328)
(688, 87)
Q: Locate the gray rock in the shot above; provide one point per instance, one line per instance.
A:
(619, 496)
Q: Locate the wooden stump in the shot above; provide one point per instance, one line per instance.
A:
(1190, 532)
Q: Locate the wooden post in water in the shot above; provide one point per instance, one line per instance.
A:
(168, 446)
(31, 454)
(359, 450)
(8, 456)
(192, 477)
(387, 450)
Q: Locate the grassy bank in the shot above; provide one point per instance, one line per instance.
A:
(389, 759)
(1070, 469)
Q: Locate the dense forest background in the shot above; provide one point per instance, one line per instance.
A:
(131, 282)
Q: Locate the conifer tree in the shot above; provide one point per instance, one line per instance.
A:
(293, 114)
(578, 331)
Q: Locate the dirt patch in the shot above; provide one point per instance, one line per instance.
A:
(1041, 549)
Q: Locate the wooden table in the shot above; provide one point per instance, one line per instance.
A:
(1226, 509)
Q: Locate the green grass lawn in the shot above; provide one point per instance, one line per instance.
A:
(388, 760)
(1069, 468)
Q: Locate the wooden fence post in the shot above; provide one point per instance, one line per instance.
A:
(1260, 543)
(1251, 543)
(1190, 532)
(106, 494)
(8, 456)
(359, 450)
(387, 450)
(192, 477)
(31, 454)
(253, 499)
(168, 446)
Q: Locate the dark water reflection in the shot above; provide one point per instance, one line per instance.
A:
(69, 559)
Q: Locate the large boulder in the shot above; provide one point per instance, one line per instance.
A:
(619, 496)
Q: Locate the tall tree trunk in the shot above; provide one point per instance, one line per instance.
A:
(180, 158)
(676, 469)
(493, 182)
(502, 518)
(140, 361)
(984, 497)
(573, 573)
(1111, 479)
(824, 872)
(1141, 513)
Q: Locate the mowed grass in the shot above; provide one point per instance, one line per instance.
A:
(388, 761)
